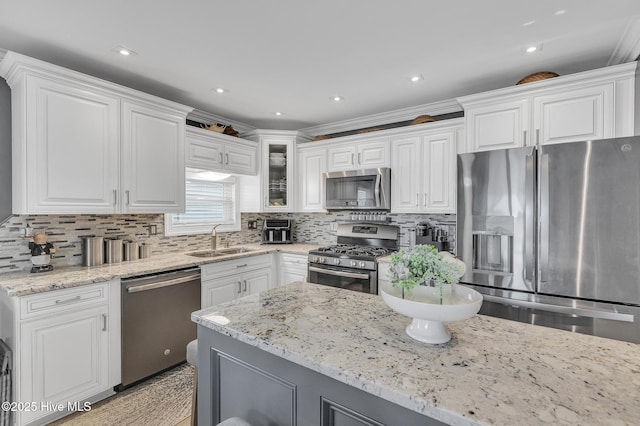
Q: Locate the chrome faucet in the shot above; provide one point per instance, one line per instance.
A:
(214, 237)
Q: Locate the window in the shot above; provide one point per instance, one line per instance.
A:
(211, 198)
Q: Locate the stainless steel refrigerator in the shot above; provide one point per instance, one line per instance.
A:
(551, 234)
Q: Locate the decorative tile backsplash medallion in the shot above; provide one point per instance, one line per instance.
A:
(65, 232)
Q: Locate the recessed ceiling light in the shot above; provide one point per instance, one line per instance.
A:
(526, 24)
(417, 78)
(220, 90)
(531, 49)
(278, 113)
(124, 51)
(337, 98)
(560, 12)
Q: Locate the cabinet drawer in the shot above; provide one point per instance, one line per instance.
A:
(227, 267)
(60, 300)
(293, 259)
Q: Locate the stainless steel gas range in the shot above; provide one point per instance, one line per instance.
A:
(352, 264)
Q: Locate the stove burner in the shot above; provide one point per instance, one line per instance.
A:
(354, 250)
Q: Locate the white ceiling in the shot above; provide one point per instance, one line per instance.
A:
(293, 55)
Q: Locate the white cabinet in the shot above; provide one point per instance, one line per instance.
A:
(277, 179)
(153, 158)
(591, 105)
(359, 155)
(311, 164)
(66, 346)
(231, 279)
(81, 144)
(293, 267)
(423, 170)
(215, 151)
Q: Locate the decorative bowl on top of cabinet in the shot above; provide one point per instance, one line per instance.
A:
(81, 144)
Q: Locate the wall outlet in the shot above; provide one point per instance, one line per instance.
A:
(334, 226)
(253, 224)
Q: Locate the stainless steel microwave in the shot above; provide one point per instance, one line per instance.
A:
(368, 189)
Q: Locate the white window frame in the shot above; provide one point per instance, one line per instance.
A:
(205, 228)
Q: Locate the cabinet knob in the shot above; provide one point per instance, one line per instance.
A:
(239, 287)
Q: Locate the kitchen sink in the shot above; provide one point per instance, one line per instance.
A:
(221, 252)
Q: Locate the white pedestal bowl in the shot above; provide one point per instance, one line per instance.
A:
(428, 314)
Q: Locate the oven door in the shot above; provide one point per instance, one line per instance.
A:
(350, 279)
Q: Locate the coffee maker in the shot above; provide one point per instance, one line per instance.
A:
(277, 231)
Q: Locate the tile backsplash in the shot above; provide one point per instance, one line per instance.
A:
(65, 232)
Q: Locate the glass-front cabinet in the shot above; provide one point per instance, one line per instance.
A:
(277, 170)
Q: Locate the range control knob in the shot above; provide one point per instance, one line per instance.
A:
(321, 260)
(353, 263)
(336, 261)
(361, 264)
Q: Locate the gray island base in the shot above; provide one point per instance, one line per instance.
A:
(305, 354)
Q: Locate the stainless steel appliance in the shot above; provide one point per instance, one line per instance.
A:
(551, 235)
(277, 231)
(351, 264)
(368, 189)
(156, 322)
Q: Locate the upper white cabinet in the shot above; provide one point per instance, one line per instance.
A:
(81, 144)
(358, 155)
(423, 169)
(277, 179)
(216, 151)
(590, 105)
(311, 164)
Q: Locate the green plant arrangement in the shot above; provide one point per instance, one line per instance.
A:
(423, 264)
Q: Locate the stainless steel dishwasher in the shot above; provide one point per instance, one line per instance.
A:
(156, 322)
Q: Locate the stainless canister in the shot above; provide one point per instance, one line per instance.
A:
(113, 251)
(92, 251)
(145, 251)
(131, 250)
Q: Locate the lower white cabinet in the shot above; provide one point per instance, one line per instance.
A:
(66, 347)
(232, 279)
(293, 267)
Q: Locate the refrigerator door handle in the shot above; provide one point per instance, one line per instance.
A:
(529, 219)
(543, 234)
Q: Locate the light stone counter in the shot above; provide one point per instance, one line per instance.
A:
(25, 283)
(493, 371)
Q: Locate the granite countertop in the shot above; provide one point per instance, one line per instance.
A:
(25, 283)
(493, 371)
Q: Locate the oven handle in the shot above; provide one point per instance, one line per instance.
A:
(160, 284)
(339, 273)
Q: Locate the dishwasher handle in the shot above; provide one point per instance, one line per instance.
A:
(159, 283)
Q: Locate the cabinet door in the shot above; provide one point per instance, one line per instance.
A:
(278, 179)
(221, 289)
(203, 153)
(311, 165)
(341, 158)
(497, 126)
(256, 281)
(153, 159)
(241, 159)
(583, 114)
(374, 154)
(71, 155)
(64, 358)
(439, 173)
(405, 175)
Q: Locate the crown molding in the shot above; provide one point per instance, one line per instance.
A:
(404, 114)
(628, 48)
(209, 118)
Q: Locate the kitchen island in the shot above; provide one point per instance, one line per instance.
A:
(349, 352)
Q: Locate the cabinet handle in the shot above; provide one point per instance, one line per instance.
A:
(244, 288)
(352, 159)
(359, 158)
(417, 199)
(104, 322)
(127, 194)
(226, 156)
(425, 199)
(65, 301)
(115, 197)
(239, 287)
(525, 138)
(537, 137)
(220, 157)
(241, 266)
